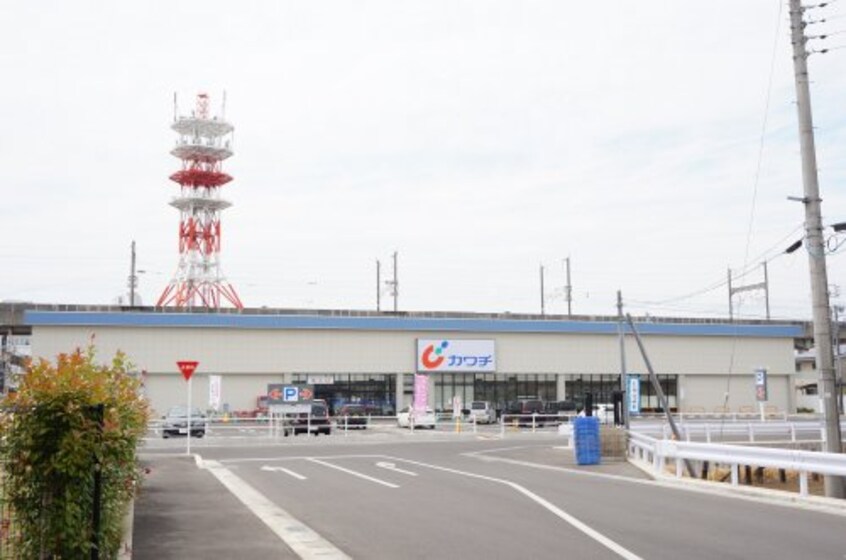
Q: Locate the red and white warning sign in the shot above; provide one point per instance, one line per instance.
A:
(187, 369)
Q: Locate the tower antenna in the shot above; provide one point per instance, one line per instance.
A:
(203, 143)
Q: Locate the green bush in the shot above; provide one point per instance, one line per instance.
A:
(52, 442)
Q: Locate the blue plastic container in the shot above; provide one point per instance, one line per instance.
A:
(587, 442)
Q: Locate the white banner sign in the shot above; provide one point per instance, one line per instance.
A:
(456, 354)
(215, 383)
(321, 380)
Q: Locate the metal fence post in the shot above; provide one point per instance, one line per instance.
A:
(98, 487)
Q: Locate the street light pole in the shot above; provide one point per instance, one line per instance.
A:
(834, 487)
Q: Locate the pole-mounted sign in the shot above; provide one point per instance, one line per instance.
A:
(761, 384)
(187, 368)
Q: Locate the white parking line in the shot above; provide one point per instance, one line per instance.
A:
(584, 528)
(284, 470)
(302, 539)
(393, 467)
(354, 473)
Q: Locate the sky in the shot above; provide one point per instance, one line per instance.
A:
(653, 143)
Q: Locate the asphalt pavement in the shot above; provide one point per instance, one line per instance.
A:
(182, 511)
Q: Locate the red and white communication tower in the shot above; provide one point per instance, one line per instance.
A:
(203, 143)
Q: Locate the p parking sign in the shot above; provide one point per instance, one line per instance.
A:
(289, 393)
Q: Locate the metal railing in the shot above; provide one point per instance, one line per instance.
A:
(739, 431)
(660, 452)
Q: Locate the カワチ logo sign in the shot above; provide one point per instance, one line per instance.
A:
(456, 355)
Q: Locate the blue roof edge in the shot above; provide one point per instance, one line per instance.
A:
(317, 322)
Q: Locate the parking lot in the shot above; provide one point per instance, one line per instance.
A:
(393, 493)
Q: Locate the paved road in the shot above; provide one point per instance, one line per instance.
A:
(465, 498)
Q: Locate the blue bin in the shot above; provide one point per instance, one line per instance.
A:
(587, 442)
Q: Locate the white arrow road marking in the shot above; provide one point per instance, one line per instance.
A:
(393, 467)
(358, 474)
(302, 539)
(552, 508)
(284, 470)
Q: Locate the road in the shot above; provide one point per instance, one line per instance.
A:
(432, 497)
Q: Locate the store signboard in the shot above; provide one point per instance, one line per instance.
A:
(321, 379)
(633, 393)
(761, 384)
(421, 393)
(457, 354)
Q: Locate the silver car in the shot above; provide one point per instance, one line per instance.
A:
(176, 422)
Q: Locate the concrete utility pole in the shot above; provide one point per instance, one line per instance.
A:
(834, 486)
(569, 289)
(395, 283)
(133, 278)
(543, 303)
(378, 285)
(621, 331)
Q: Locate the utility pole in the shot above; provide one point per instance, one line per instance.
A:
(569, 289)
(834, 487)
(622, 336)
(838, 367)
(395, 283)
(543, 306)
(765, 285)
(378, 285)
(133, 279)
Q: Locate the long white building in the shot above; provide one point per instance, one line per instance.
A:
(372, 358)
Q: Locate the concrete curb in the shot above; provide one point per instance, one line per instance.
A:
(127, 526)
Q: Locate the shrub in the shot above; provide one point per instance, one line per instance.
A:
(53, 440)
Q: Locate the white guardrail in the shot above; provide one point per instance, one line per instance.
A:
(750, 431)
(660, 452)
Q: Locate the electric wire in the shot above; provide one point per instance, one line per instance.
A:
(733, 354)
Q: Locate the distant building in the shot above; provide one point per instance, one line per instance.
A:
(372, 357)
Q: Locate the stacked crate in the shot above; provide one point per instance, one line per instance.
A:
(587, 442)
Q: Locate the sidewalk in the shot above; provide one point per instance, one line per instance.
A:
(183, 512)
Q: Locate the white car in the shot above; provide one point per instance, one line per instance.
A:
(421, 419)
(482, 412)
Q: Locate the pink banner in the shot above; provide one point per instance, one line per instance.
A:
(421, 392)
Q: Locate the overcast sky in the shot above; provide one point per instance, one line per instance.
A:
(479, 139)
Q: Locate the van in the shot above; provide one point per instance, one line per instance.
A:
(482, 412)
(315, 421)
(527, 411)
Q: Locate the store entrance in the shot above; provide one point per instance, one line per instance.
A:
(376, 392)
(498, 389)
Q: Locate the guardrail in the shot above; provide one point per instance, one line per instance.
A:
(659, 452)
(274, 426)
(744, 431)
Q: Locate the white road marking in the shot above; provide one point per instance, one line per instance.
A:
(354, 473)
(584, 528)
(393, 467)
(302, 539)
(284, 470)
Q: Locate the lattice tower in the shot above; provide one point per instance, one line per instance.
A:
(203, 143)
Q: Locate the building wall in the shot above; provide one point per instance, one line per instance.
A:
(250, 358)
(708, 393)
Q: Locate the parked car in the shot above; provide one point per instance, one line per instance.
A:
(351, 416)
(176, 422)
(420, 419)
(315, 421)
(526, 411)
(561, 410)
(482, 412)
